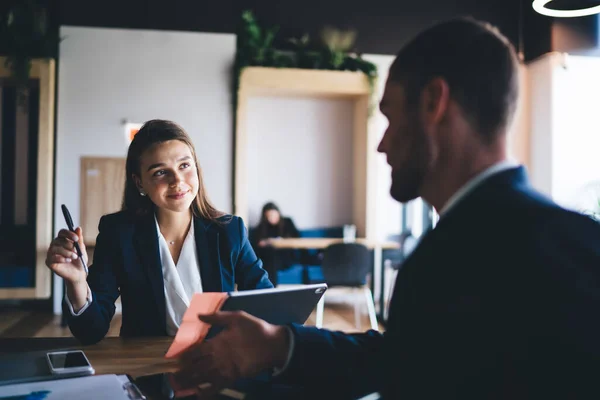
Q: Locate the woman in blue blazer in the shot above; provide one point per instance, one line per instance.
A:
(166, 244)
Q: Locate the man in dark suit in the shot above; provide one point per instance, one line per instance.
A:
(501, 300)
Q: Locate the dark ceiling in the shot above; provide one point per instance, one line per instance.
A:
(383, 26)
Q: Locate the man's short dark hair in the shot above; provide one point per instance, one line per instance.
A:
(477, 61)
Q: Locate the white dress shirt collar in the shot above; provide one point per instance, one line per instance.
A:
(474, 182)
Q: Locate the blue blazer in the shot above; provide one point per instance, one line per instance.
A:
(500, 301)
(127, 263)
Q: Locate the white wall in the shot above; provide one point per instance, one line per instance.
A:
(565, 131)
(577, 131)
(540, 73)
(107, 75)
(300, 157)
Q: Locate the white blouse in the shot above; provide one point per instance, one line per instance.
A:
(181, 280)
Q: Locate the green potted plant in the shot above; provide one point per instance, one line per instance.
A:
(256, 47)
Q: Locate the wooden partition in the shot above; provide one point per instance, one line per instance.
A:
(102, 186)
(290, 82)
(44, 71)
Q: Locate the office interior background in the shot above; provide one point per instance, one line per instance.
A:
(101, 69)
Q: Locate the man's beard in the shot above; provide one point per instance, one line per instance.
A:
(406, 184)
(408, 179)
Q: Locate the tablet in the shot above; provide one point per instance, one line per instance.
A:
(277, 306)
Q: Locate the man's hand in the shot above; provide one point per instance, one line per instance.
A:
(244, 348)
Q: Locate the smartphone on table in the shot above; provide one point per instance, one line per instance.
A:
(69, 363)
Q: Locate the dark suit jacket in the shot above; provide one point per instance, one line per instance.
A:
(127, 263)
(500, 301)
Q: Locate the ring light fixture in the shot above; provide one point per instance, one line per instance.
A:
(540, 7)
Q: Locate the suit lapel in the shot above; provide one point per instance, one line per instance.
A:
(207, 248)
(146, 247)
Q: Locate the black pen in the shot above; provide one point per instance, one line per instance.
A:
(69, 221)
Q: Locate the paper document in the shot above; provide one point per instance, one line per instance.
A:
(192, 330)
(97, 387)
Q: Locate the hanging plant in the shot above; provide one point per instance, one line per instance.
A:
(255, 47)
(25, 35)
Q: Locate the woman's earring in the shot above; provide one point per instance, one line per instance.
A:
(142, 193)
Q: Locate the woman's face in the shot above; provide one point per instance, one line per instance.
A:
(272, 216)
(169, 176)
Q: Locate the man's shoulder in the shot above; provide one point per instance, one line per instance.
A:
(574, 225)
(516, 215)
(531, 206)
(532, 219)
(518, 206)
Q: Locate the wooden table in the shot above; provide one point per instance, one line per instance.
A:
(136, 357)
(112, 355)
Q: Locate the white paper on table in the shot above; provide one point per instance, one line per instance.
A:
(97, 387)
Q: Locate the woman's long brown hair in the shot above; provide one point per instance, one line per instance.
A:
(152, 133)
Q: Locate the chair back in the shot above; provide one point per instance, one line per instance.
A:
(346, 264)
(407, 243)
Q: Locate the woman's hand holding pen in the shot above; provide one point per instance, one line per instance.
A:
(62, 259)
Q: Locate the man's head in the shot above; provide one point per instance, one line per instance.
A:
(451, 92)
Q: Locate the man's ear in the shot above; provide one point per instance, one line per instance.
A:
(435, 98)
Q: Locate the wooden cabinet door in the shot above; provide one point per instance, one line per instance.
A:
(102, 186)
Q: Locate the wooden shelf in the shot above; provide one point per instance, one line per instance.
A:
(304, 82)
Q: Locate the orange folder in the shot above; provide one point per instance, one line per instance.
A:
(192, 330)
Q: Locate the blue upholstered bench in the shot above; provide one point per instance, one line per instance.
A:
(16, 277)
(294, 274)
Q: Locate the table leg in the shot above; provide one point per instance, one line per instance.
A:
(377, 289)
(381, 303)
